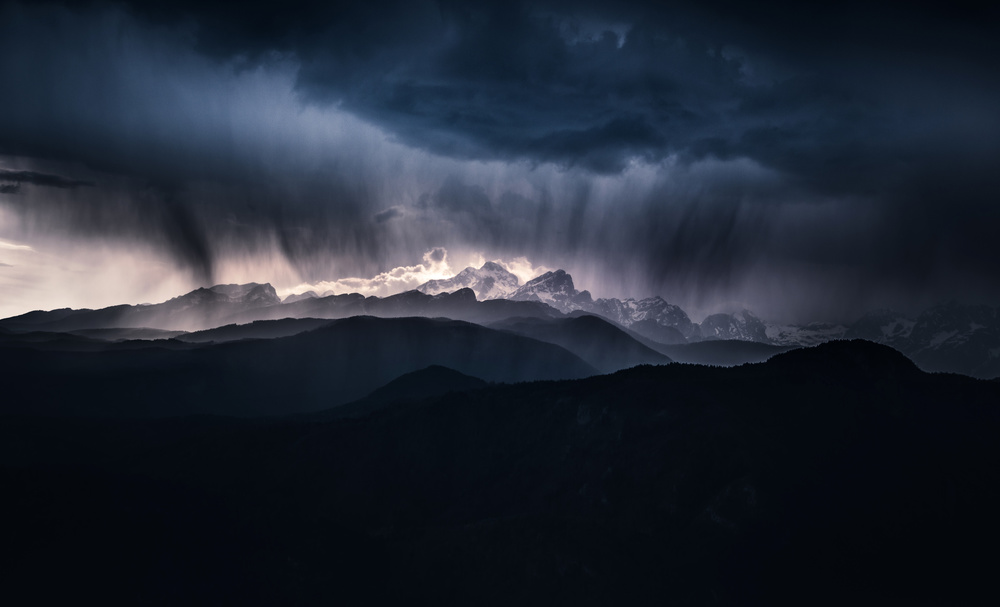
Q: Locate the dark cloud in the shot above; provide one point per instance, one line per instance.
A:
(840, 96)
(826, 94)
(388, 214)
(436, 255)
(42, 179)
(683, 147)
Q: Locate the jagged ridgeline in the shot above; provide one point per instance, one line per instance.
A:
(952, 337)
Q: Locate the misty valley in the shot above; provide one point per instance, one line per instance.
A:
(485, 442)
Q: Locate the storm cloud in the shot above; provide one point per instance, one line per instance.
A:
(805, 161)
(42, 179)
(835, 94)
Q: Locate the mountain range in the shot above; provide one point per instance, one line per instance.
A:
(950, 337)
(338, 362)
(225, 446)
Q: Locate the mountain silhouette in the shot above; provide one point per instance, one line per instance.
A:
(601, 344)
(952, 338)
(258, 329)
(332, 365)
(211, 308)
(201, 308)
(434, 381)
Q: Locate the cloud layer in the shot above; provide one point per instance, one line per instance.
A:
(805, 161)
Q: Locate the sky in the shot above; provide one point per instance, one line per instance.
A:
(806, 162)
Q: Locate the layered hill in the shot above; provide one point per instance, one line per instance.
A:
(600, 343)
(337, 363)
(204, 309)
(199, 309)
(950, 338)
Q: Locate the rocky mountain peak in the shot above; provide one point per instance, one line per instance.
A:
(492, 266)
(555, 289)
(491, 281)
(252, 293)
(742, 326)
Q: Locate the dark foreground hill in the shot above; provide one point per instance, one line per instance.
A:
(827, 476)
(432, 382)
(339, 362)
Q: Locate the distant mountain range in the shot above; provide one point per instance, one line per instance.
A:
(652, 317)
(210, 308)
(601, 344)
(951, 338)
(200, 309)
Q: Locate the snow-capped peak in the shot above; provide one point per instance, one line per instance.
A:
(743, 326)
(491, 281)
(555, 289)
(651, 310)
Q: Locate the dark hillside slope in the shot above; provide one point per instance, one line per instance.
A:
(258, 329)
(128, 334)
(603, 345)
(827, 476)
(433, 382)
(199, 309)
(335, 364)
(243, 304)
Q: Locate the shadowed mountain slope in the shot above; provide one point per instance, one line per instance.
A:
(434, 381)
(243, 304)
(951, 337)
(259, 329)
(141, 333)
(829, 476)
(335, 364)
(201, 308)
(601, 344)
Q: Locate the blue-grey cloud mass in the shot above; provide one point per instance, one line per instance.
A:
(805, 160)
